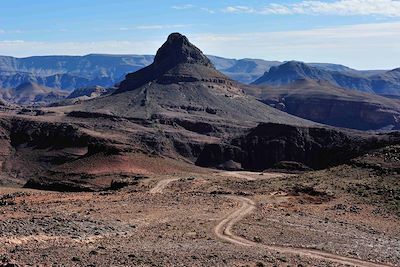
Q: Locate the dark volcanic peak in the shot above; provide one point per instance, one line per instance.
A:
(177, 50)
(176, 61)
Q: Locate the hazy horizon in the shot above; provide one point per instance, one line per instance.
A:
(361, 34)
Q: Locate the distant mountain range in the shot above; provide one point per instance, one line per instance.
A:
(72, 72)
(382, 83)
(69, 72)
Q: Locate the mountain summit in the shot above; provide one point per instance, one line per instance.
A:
(177, 60)
(177, 50)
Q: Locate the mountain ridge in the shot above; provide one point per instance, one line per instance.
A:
(387, 83)
(72, 72)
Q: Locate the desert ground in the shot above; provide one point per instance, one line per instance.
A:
(207, 218)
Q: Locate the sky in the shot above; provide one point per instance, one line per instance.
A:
(363, 34)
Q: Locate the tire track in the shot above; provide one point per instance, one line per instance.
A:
(161, 185)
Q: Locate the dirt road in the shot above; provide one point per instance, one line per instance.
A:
(224, 231)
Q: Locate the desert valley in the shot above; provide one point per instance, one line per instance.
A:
(195, 160)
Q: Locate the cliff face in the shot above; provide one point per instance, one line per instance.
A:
(269, 144)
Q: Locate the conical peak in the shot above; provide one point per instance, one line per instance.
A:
(176, 61)
(176, 50)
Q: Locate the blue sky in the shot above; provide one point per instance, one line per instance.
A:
(363, 34)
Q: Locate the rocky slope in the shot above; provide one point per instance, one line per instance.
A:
(384, 83)
(324, 103)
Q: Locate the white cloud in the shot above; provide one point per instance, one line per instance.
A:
(208, 10)
(239, 9)
(388, 8)
(189, 6)
(182, 7)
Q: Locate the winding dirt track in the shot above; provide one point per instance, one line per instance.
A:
(161, 185)
(224, 231)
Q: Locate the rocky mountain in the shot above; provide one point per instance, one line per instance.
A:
(383, 83)
(325, 103)
(33, 94)
(183, 83)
